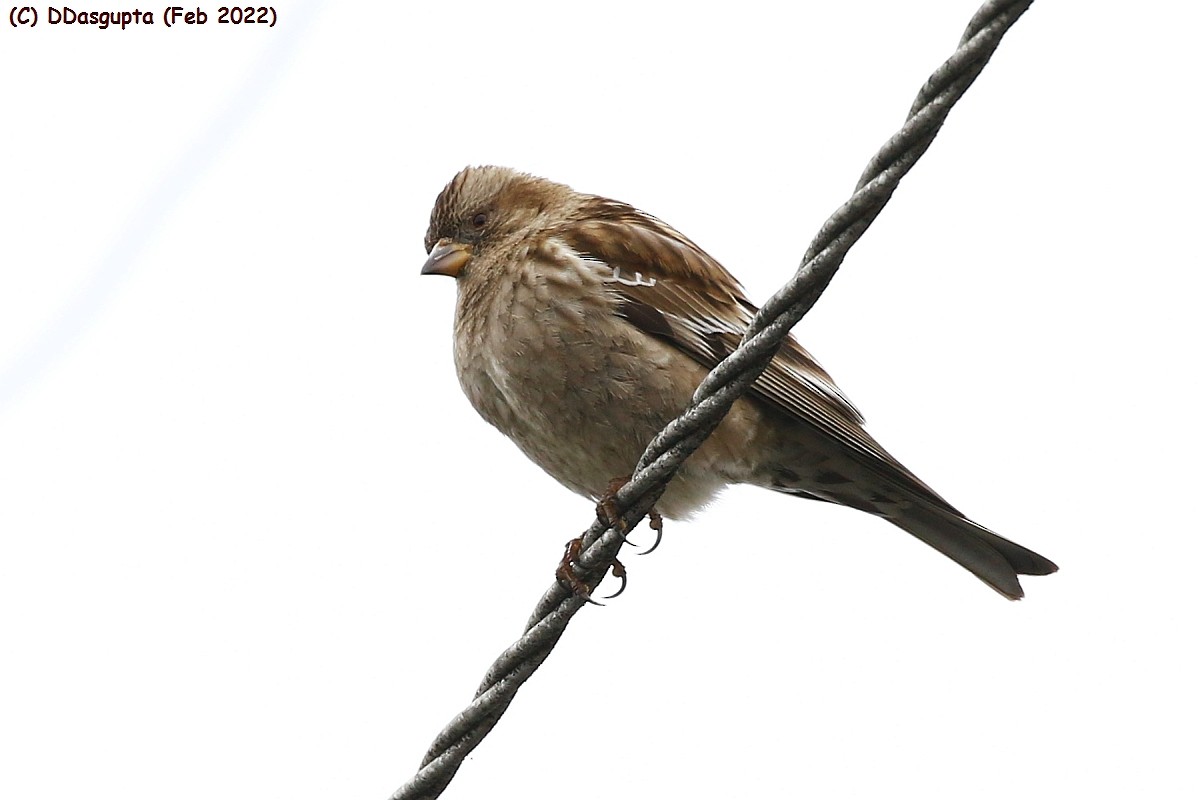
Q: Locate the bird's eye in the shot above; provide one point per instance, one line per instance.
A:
(479, 220)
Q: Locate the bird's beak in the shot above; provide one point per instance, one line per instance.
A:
(447, 258)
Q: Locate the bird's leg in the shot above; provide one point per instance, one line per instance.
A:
(608, 513)
(566, 570)
(606, 510)
(567, 576)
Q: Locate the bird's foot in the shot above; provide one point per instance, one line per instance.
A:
(608, 513)
(606, 510)
(567, 575)
(606, 507)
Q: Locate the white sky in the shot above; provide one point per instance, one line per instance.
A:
(255, 543)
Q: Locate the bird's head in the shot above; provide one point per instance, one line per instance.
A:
(486, 209)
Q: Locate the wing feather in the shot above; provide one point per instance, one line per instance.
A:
(671, 289)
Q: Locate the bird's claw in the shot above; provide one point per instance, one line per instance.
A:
(606, 507)
(606, 510)
(656, 525)
(609, 514)
(618, 571)
(567, 576)
(566, 571)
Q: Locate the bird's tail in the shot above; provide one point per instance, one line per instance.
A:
(994, 560)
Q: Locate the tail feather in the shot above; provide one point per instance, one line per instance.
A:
(993, 559)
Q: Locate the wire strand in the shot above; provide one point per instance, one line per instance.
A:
(717, 392)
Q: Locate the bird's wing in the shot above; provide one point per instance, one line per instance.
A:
(671, 289)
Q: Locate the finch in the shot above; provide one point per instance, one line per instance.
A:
(583, 326)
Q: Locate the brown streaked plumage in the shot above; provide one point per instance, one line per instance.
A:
(584, 325)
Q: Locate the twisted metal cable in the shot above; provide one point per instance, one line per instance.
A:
(717, 393)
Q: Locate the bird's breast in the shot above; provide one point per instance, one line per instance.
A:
(544, 358)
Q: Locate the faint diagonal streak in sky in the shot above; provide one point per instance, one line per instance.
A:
(82, 310)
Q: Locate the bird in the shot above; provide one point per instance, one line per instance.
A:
(583, 325)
